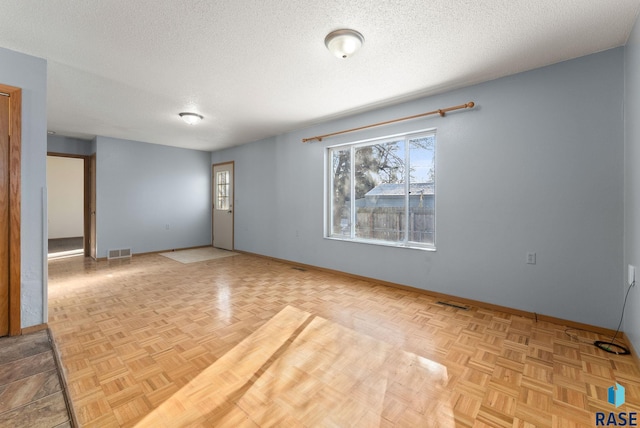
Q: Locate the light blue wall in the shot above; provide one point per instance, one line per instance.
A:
(256, 208)
(143, 187)
(632, 181)
(30, 74)
(69, 146)
(536, 166)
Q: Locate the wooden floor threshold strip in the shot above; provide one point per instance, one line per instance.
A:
(73, 419)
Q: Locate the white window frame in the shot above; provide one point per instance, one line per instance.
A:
(328, 190)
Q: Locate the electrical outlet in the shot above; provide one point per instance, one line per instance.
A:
(631, 274)
(531, 258)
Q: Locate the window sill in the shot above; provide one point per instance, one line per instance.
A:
(382, 243)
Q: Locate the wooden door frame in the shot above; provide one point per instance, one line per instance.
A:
(87, 196)
(91, 182)
(15, 156)
(213, 200)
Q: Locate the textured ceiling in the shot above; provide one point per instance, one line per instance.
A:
(256, 68)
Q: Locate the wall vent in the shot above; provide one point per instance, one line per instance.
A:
(124, 253)
(453, 305)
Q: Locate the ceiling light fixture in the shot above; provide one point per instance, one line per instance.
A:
(191, 118)
(343, 43)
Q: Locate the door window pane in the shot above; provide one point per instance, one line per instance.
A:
(222, 190)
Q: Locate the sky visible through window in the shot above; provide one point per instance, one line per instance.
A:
(422, 159)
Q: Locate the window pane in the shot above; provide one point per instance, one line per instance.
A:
(380, 191)
(383, 191)
(422, 190)
(341, 191)
(222, 190)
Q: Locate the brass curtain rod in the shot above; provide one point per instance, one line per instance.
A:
(441, 112)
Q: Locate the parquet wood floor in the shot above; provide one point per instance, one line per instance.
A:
(138, 336)
(300, 370)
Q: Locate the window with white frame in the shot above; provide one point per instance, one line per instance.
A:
(382, 191)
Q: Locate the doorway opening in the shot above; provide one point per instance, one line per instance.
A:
(68, 205)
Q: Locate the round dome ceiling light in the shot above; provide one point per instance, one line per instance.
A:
(343, 43)
(191, 118)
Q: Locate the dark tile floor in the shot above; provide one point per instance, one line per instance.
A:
(31, 392)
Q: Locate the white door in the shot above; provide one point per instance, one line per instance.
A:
(223, 206)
